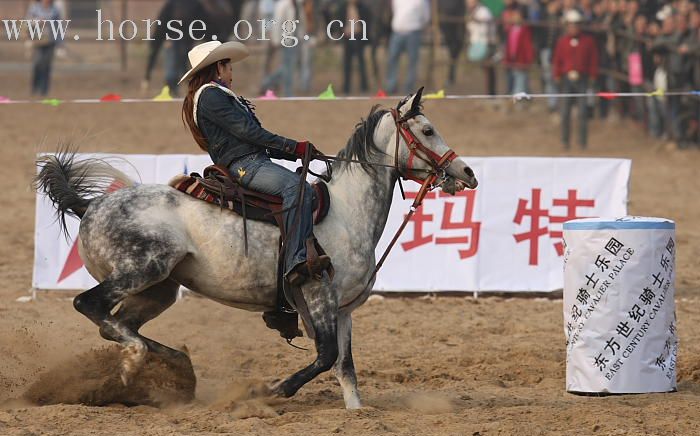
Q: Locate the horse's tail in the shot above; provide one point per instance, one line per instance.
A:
(71, 185)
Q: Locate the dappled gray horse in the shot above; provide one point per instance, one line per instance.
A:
(142, 242)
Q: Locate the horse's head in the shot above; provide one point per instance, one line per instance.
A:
(422, 152)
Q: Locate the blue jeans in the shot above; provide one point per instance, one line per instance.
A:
(41, 73)
(284, 75)
(403, 42)
(550, 87)
(262, 175)
(521, 81)
(306, 74)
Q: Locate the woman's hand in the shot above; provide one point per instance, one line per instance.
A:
(301, 148)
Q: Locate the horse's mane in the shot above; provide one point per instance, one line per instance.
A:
(361, 144)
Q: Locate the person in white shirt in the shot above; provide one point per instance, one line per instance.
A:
(410, 17)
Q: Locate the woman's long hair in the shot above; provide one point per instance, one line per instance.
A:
(201, 78)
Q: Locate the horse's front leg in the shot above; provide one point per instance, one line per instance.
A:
(323, 310)
(344, 366)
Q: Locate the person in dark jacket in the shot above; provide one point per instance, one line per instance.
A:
(452, 15)
(352, 13)
(225, 125)
(575, 63)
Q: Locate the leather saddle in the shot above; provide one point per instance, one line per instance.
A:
(220, 188)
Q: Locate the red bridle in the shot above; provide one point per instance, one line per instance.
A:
(417, 150)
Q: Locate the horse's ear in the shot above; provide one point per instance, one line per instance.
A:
(417, 98)
(414, 99)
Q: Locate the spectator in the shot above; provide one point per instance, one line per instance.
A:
(507, 17)
(452, 13)
(694, 52)
(410, 17)
(676, 40)
(603, 15)
(285, 11)
(655, 104)
(482, 41)
(44, 48)
(266, 11)
(350, 11)
(635, 55)
(520, 52)
(575, 63)
(679, 69)
(548, 34)
(307, 49)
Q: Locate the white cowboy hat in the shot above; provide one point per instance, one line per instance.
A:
(573, 16)
(207, 53)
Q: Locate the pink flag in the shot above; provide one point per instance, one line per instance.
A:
(269, 95)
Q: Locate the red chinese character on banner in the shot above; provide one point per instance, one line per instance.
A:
(448, 222)
(537, 213)
(533, 235)
(465, 223)
(571, 202)
(418, 219)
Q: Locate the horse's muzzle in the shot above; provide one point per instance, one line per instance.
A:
(463, 173)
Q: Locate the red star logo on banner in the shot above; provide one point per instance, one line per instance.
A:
(73, 262)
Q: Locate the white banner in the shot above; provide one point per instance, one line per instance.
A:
(505, 236)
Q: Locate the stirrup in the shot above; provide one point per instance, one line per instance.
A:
(285, 323)
(305, 271)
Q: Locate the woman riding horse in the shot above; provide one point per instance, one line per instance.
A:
(225, 125)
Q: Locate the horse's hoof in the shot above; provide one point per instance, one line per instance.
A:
(133, 356)
(275, 389)
(353, 404)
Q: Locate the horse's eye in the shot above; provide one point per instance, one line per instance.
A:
(428, 131)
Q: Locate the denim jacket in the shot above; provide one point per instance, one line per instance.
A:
(233, 131)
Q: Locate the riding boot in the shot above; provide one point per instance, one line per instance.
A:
(284, 318)
(287, 323)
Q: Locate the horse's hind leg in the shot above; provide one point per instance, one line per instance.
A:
(323, 310)
(344, 366)
(97, 304)
(136, 310)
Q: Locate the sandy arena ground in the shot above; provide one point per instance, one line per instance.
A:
(447, 365)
